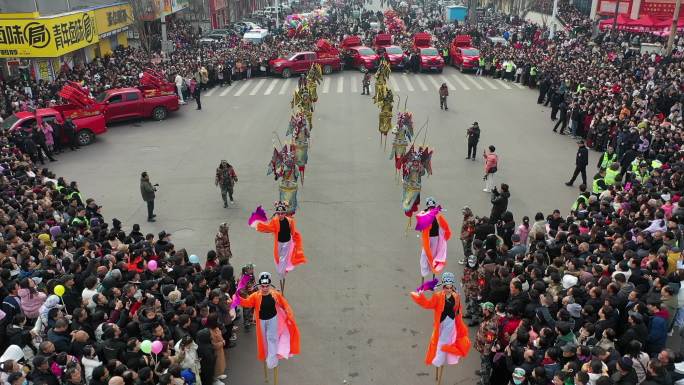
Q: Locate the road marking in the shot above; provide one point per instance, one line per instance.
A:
(448, 83)
(409, 86)
(284, 87)
(503, 84)
(326, 85)
(394, 84)
(211, 91)
(354, 86)
(420, 83)
(519, 85)
(432, 80)
(258, 87)
(460, 82)
(340, 84)
(243, 88)
(470, 78)
(227, 90)
(490, 84)
(271, 86)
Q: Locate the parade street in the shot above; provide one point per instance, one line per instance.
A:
(351, 300)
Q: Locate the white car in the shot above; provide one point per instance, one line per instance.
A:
(256, 35)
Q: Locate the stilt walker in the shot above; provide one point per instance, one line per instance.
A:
(414, 165)
(435, 233)
(384, 98)
(287, 241)
(403, 134)
(276, 329)
(283, 166)
(449, 341)
(299, 131)
(313, 78)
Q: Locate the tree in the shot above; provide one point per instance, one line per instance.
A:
(140, 9)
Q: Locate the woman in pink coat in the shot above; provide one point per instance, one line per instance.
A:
(49, 137)
(31, 299)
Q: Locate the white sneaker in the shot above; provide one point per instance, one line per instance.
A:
(232, 202)
(222, 377)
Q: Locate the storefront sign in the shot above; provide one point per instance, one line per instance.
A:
(608, 7)
(113, 18)
(661, 8)
(171, 6)
(47, 37)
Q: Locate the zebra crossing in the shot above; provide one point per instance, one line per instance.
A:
(347, 82)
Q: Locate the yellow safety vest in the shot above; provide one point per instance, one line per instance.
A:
(607, 161)
(611, 175)
(595, 188)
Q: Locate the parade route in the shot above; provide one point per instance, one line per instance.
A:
(351, 299)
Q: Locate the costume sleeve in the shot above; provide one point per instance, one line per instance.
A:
(423, 301)
(249, 301)
(286, 307)
(444, 225)
(268, 227)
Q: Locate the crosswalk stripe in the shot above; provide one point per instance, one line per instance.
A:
(354, 86)
(243, 88)
(503, 84)
(211, 91)
(488, 83)
(448, 83)
(434, 83)
(460, 82)
(421, 83)
(519, 85)
(284, 87)
(227, 90)
(258, 87)
(326, 85)
(340, 85)
(470, 78)
(271, 86)
(409, 86)
(394, 84)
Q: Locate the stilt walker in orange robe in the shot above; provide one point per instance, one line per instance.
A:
(449, 341)
(287, 241)
(277, 332)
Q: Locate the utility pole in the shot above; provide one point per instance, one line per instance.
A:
(554, 14)
(673, 27)
(277, 14)
(615, 16)
(164, 41)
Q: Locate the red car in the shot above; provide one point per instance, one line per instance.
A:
(88, 122)
(430, 58)
(357, 55)
(137, 103)
(463, 55)
(300, 62)
(392, 53)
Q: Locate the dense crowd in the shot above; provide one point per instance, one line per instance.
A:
(586, 298)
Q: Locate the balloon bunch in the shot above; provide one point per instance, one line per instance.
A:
(394, 24)
(297, 26)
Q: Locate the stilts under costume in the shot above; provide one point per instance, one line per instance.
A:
(288, 251)
(277, 332)
(299, 131)
(403, 133)
(435, 233)
(449, 341)
(283, 166)
(414, 164)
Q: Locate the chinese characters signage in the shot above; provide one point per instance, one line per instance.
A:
(112, 18)
(662, 8)
(608, 8)
(47, 37)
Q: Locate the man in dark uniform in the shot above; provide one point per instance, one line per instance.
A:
(366, 83)
(70, 134)
(581, 161)
(563, 121)
(473, 137)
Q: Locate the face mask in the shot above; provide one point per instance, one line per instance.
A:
(517, 382)
(137, 295)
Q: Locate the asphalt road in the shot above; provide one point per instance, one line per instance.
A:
(351, 300)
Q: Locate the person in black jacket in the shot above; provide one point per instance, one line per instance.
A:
(581, 162)
(41, 373)
(207, 356)
(499, 203)
(563, 120)
(473, 134)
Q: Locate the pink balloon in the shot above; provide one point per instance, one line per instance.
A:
(152, 266)
(157, 347)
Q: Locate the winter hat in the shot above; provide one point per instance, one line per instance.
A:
(518, 376)
(265, 278)
(569, 281)
(448, 278)
(430, 202)
(574, 309)
(487, 306)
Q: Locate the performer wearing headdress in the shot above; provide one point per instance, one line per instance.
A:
(403, 134)
(283, 166)
(414, 164)
(287, 241)
(298, 130)
(435, 233)
(449, 341)
(277, 332)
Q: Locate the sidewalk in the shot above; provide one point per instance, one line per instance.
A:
(538, 18)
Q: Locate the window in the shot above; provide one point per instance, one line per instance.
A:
(28, 123)
(132, 96)
(115, 99)
(50, 119)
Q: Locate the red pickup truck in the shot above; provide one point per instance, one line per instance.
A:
(430, 59)
(392, 53)
(326, 55)
(463, 55)
(357, 55)
(88, 122)
(137, 102)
